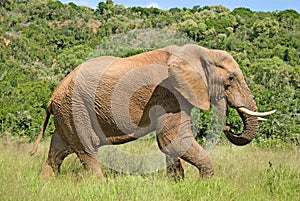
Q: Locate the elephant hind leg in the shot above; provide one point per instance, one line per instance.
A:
(59, 150)
(90, 163)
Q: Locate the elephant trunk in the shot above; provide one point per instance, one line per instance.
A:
(250, 128)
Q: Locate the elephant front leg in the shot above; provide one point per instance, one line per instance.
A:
(198, 157)
(175, 139)
(90, 163)
(174, 168)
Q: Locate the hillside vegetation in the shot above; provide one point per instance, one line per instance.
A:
(43, 40)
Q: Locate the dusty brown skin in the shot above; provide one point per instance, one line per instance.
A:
(111, 100)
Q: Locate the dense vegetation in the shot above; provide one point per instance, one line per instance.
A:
(42, 40)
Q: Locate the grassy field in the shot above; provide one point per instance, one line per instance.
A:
(242, 173)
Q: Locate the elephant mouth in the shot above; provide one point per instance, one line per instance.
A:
(250, 118)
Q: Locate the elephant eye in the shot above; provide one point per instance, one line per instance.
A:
(231, 78)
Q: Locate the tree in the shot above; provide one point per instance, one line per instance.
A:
(288, 18)
(107, 9)
(101, 8)
(267, 26)
(4, 3)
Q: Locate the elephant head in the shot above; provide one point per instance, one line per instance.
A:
(206, 76)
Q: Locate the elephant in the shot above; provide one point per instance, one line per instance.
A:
(110, 100)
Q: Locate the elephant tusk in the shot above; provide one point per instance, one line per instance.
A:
(261, 119)
(255, 114)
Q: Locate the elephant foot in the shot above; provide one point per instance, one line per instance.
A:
(96, 171)
(47, 172)
(91, 164)
(175, 168)
(206, 168)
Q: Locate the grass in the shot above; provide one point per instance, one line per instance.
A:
(242, 173)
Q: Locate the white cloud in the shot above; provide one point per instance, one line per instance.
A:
(89, 3)
(153, 4)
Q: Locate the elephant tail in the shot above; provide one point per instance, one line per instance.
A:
(46, 120)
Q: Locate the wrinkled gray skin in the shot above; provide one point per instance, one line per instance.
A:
(111, 100)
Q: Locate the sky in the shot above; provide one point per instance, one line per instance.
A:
(254, 5)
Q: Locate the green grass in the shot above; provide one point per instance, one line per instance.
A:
(242, 173)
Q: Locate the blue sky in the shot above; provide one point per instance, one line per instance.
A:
(255, 5)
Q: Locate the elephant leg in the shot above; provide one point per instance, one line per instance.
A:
(59, 150)
(90, 163)
(174, 168)
(198, 157)
(176, 140)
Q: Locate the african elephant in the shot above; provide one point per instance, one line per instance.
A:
(110, 100)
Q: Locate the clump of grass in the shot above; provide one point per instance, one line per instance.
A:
(242, 173)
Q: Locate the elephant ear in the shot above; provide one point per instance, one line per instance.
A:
(187, 75)
(215, 83)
